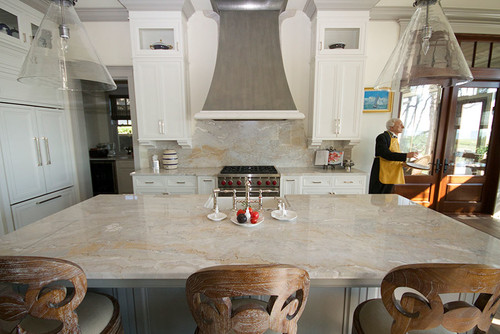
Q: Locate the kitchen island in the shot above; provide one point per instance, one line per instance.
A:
(147, 241)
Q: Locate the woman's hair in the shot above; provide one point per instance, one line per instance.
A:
(390, 123)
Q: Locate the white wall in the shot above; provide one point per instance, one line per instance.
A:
(381, 38)
(111, 41)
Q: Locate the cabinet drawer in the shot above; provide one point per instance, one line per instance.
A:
(316, 181)
(149, 181)
(181, 181)
(349, 181)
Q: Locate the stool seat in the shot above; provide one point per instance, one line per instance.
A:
(411, 300)
(211, 294)
(44, 306)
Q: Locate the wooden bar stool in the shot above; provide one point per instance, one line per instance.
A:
(33, 299)
(210, 293)
(411, 300)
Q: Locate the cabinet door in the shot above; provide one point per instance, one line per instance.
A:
(160, 99)
(351, 99)
(21, 149)
(290, 185)
(338, 91)
(30, 211)
(148, 100)
(54, 146)
(206, 184)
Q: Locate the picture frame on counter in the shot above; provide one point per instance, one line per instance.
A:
(377, 100)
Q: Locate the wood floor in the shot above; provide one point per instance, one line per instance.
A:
(484, 223)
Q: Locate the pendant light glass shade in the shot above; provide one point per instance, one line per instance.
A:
(428, 53)
(62, 56)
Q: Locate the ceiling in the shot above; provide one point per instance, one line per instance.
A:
(296, 4)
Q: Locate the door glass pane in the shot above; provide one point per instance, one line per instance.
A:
(419, 113)
(473, 122)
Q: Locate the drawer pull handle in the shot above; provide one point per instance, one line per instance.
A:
(207, 180)
(181, 182)
(316, 182)
(290, 180)
(149, 182)
(348, 181)
(165, 193)
(47, 200)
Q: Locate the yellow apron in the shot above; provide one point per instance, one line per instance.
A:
(391, 172)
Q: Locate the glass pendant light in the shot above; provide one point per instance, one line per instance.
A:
(428, 53)
(62, 56)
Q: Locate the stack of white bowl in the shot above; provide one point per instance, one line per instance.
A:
(170, 159)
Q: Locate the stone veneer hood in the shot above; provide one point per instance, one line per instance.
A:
(249, 80)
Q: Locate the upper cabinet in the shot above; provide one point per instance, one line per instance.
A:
(338, 80)
(337, 35)
(160, 72)
(156, 34)
(18, 25)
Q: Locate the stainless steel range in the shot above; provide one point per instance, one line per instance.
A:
(266, 178)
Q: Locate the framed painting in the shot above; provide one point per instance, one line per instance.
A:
(377, 100)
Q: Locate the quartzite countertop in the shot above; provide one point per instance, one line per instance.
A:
(214, 171)
(341, 240)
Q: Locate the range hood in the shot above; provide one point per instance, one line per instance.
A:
(249, 80)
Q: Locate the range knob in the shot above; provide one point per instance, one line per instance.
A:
(275, 183)
(259, 182)
(268, 182)
(238, 183)
(230, 183)
(223, 182)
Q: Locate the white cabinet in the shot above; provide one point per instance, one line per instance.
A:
(338, 99)
(30, 211)
(344, 183)
(160, 99)
(164, 184)
(18, 24)
(206, 184)
(36, 151)
(290, 185)
(338, 78)
(160, 77)
(156, 34)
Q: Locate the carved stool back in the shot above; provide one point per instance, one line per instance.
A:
(40, 295)
(421, 308)
(209, 292)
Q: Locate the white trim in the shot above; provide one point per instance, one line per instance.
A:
(102, 14)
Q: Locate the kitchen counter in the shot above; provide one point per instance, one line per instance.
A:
(341, 240)
(207, 171)
(214, 171)
(318, 170)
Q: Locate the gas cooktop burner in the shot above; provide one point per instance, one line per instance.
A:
(249, 170)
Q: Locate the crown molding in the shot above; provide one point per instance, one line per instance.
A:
(453, 14)
(102, 14)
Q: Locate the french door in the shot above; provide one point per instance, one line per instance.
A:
(456, 132)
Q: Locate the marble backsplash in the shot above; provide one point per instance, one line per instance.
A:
(219, 143)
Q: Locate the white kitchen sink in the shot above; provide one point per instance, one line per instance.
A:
(226, 203)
